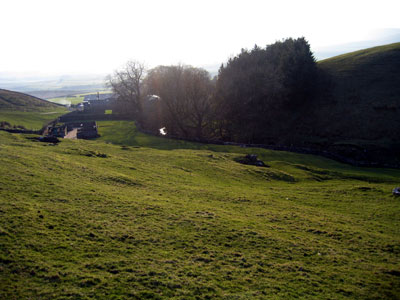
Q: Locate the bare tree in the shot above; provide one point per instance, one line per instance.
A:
(185, 94)
(127, 84)
(198, 97)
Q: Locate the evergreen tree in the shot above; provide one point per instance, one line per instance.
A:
(258, 90)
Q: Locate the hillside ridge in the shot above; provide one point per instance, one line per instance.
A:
(12, 100)
(362, 53)
(356, 110)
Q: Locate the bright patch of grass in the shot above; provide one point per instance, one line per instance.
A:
(126, 133)
(360, 58)
(74, 99)
(31, 119)
(67, 100)
(28, 111)
(95, 93)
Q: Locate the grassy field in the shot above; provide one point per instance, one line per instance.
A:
(95, 220)
(31, 120)
(95, 93)
(28, 111)
(67, 100)
(74, 99)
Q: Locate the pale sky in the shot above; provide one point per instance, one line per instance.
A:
(85, 36)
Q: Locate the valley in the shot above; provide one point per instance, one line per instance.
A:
(133, 215)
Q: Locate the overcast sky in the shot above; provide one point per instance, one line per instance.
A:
(84, 36)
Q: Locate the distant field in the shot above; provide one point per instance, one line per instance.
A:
(31, 120)
(95, 93)
(74, 99)
(67, 100)
(31, 112)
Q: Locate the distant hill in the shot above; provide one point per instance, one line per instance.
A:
(364, 96)
(18, 109)
(52, 85)
(10, 100)
(358, 103)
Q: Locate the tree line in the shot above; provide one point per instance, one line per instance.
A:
(258, 96)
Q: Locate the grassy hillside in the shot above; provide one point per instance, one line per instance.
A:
(363, 58)
(364, 99)
(28, 111)
(94, 220)
(357, 108)
(11, 100)
(30, 120)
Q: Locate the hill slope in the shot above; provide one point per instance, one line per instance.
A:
(365, 98)
(90, 220)
(385, 57)
(20, 109)
(10, 100)
(358, 106)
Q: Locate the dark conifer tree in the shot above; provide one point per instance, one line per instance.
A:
(258, 90)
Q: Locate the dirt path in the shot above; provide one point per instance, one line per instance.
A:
(49, 113)
(71, 134)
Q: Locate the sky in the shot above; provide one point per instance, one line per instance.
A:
(93, 37)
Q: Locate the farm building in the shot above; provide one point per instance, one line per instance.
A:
(57, 131)
(87, 130)
(98, 96)
(99, 102)
(80, 130)
(97, 105)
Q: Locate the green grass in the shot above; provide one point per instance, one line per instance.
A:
(95, 93)
(95, 220)
(10, 100)
(74, 99)
(360, 99)
(67, 100)
(125, 133)
(28, 111)
(361, 58)
(31, 120)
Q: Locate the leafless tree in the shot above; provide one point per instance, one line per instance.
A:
(127, 84)
(198, 97)
(185, 94)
